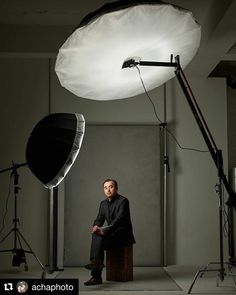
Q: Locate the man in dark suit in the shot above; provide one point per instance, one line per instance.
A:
(117, 233)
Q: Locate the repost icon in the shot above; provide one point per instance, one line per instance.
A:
(8, 286)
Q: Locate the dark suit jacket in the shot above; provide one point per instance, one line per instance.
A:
(117, 214)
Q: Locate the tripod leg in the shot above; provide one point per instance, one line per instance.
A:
(31, 250)
(206, 268)
(43, 275)
(3, 239)
(232, 274)
(194, 280)
(22, 253)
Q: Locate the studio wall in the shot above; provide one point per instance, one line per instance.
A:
(24, 101)
(192, 203)
(131, 155)
(192, 217)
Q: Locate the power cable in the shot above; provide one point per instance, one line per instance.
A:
(156, 115)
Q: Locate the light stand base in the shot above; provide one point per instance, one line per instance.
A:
(229, 264)
(221, 273)
(19, 253)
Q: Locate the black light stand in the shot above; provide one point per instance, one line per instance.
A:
(218, 160)
(221, 269)
(18, 250)
(164, 170)
(231, 218)
(231, 237)
(53, 242)
(214, 151)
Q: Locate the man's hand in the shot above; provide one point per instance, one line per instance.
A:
(97, 230)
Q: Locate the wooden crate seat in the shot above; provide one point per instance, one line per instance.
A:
(119, 264)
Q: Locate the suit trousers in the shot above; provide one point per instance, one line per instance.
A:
(99, 244)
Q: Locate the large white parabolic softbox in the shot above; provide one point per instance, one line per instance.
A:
(89, 63)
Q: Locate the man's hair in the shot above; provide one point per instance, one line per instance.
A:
(113, 180)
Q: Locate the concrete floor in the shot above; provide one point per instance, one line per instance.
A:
(182, 276)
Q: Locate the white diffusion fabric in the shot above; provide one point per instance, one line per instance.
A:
(72, 155)
(89, 64)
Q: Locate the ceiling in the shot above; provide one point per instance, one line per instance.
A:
(29, 18)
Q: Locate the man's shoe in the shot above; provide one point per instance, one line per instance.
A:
(94, 265)
(93, 281)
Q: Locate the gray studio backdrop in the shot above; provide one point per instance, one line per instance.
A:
(130, 154)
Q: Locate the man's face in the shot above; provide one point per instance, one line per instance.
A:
(109, 189)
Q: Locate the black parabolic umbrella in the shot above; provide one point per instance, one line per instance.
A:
(54, 145)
